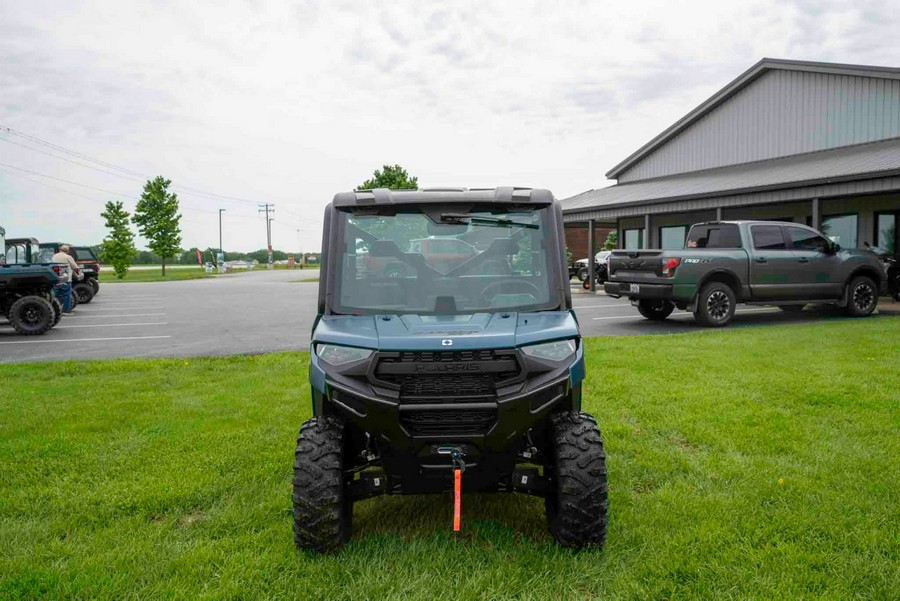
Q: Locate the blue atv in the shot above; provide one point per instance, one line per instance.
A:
(446, 357)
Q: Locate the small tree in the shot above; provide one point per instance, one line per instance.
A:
(157, 218)
(393, 178)
(118, 247)
(611, 240)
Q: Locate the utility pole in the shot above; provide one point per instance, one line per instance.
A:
(221, 250)
(268, 207)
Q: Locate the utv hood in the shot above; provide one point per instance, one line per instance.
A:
(445, 332)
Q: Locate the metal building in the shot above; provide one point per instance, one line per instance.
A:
(816, 143)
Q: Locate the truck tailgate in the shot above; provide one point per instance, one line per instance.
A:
(637, 265)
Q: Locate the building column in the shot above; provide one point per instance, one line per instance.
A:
(719, 214)
(646, 243)
(816, 215)
(591, 283)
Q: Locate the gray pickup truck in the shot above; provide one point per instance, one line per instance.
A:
(756, 262)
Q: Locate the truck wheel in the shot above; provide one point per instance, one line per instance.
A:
(862, 296)
(576, 502)
(95, 285)
(655, 310)
(84, 292)
(73, 300)
(57, 310)
(582, 274)
(715, 305)
(322, 513)
(31, 316)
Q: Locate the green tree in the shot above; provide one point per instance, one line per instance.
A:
(611, 240)
(157, 218)
(393, 178)
(118, 247)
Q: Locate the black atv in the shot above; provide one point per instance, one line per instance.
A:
(26, 288)
(447, 376)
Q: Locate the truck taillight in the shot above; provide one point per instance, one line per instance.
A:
(57, 269)
(669, 265)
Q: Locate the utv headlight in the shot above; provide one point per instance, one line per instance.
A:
(554, 351)
(338, 355)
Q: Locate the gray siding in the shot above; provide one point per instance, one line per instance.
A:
(781, 113)
(823, 191)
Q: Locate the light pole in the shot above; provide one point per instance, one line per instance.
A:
(221, 250)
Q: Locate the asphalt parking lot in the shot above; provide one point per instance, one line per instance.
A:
(268, 311)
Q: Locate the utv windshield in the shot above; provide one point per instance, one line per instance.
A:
(448, 261)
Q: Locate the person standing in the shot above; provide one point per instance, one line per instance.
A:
(63, 290)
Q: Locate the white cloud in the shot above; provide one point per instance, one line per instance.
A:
(292, 102)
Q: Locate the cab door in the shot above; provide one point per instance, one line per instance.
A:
(774, 270)
(818, 269)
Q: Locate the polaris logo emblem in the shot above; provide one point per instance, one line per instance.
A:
(446, 342)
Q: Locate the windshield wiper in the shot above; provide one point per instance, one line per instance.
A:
(492, 221)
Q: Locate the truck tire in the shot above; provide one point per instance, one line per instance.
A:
(95, 285)
(73, 300)
(322, 512)
(715, 305)
(57, 310)
(576, 502)
(84, 292)
(655, 310)
(862, 296)
(582, 274)
(31, 316)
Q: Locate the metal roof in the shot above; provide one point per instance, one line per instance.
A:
(742, 81)
(874, 159)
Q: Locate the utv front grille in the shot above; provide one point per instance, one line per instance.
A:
(439, 422)
(446, 376)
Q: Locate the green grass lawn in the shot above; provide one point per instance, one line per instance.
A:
(745, 463)
(155, 275)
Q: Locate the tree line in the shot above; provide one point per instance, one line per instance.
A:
(159, 222)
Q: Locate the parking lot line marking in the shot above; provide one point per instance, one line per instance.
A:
(141, 308)
(83, 316)
(114, 325)
(84, 339)
(595, 306)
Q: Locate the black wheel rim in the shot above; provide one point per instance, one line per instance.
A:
(31, 315)
(718, 305)
(863, 295)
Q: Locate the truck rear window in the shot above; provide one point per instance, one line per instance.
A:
(714, 235)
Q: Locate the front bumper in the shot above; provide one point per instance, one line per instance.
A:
(415, 414)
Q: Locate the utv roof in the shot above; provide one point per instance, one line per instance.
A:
(383, 196)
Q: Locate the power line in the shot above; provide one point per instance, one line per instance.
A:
(104, 166)
(185, 207)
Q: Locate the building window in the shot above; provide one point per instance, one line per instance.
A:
(841, 229)
(672, 237)
(886, 233)
(633, 239)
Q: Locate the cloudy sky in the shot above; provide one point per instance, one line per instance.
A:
(290, 102)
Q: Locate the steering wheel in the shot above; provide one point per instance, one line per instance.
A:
(492, 289)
